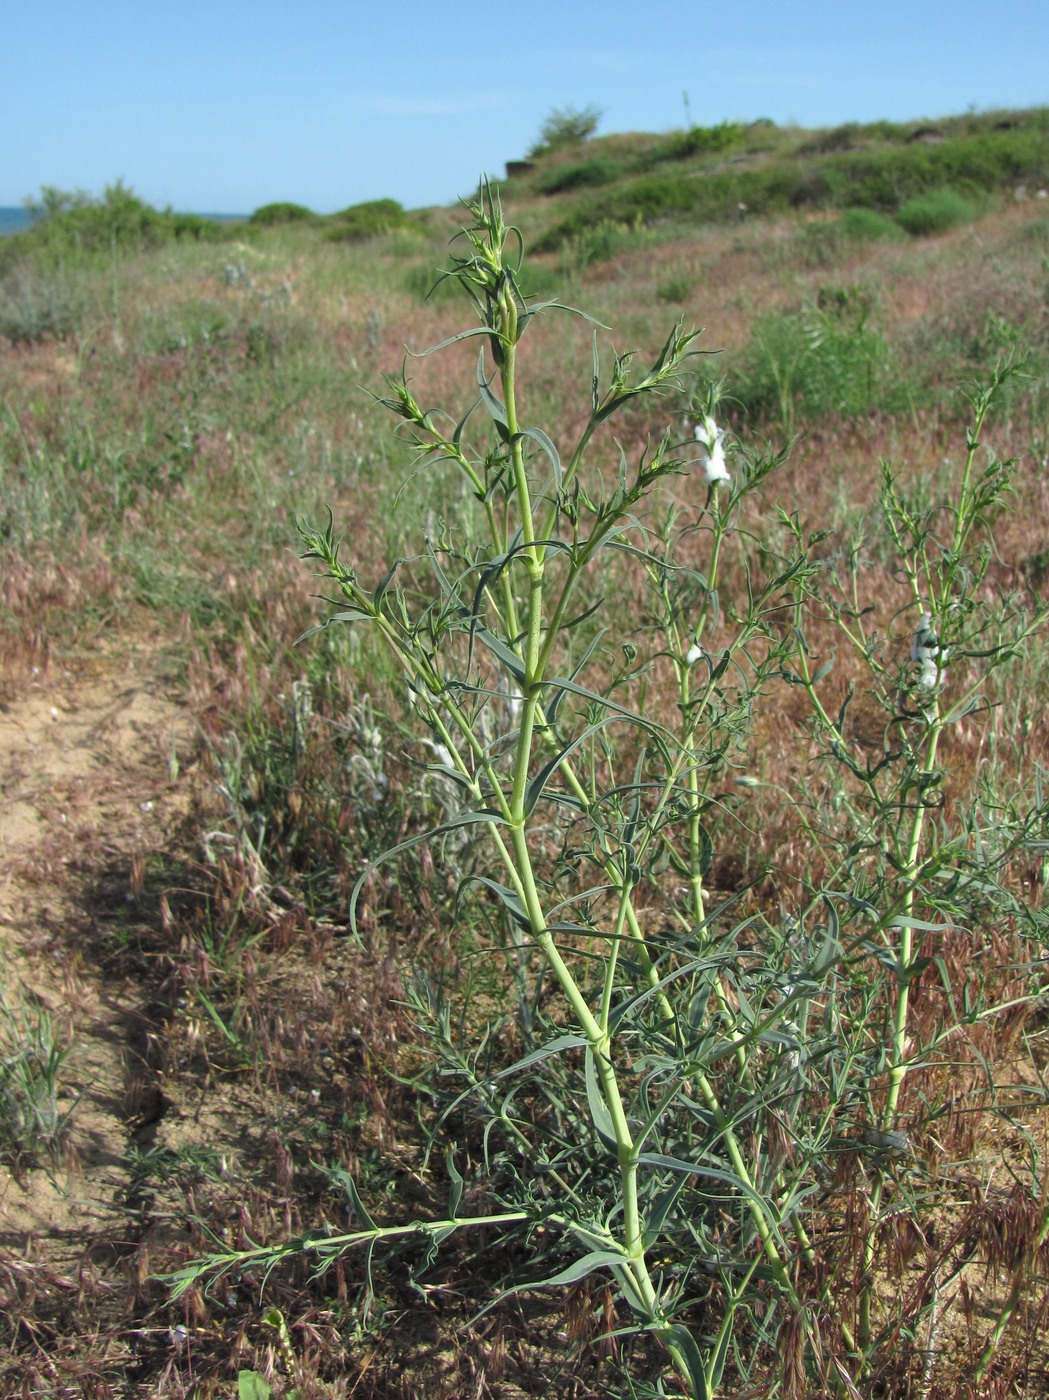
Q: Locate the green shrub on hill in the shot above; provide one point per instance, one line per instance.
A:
(567, 126)
(367, 220)
(599, 171)
(700, 141)
(935, 212)
(826, 359)
(282, 212)
(67, 224)
(867, 225)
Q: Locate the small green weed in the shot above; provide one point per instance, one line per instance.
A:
(33, 1126)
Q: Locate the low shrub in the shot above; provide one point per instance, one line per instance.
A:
(828, 358)
(935, 212)
(599, 171)
(674, 290)
(700, 141)
(34, 307)
(282, 212)
(867, 225)
(367, 220)
(70, 224)
(567, 126)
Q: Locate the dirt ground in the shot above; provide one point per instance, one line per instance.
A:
(94, 764)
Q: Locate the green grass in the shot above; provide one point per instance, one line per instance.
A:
(34, 1124)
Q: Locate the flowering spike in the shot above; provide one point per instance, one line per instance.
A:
(711, 439)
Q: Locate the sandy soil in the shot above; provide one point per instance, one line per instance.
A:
(92, 786)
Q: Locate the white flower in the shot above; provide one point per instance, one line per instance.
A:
(712, 440)
(926, 650)
(694, 654)
(922, 637)
(931, 675)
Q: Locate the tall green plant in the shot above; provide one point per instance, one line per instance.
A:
(930, 853)
(682, 1076)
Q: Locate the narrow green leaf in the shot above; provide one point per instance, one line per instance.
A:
(675, 1164)
(657, 1212)
(505, 654)
(452, 340)
(592, 695)
(348, 1184)
(455, 1194)
(495, 408)
(599, 1114)
(824, 670)
(509, 899)
(537, 435)
(681, 1339)
(588, 1264)
(535, 788)
(384, 583)
(345, 615)
(558, 1046)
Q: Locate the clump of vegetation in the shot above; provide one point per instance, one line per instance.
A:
(566, 127)
(935, 212)
(881, 175)
(700, 141)
(867, 225)
(37, 306)
(599, 171)
(828, 358)
(368, 220)
(658, 1078)
(281, 212)
(73, 224)
(33, 1125)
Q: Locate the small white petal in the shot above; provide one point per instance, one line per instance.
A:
(931, 674)
(708, 433)
(694, 653)
(714, 467)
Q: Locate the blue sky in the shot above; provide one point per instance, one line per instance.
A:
(226, 105)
